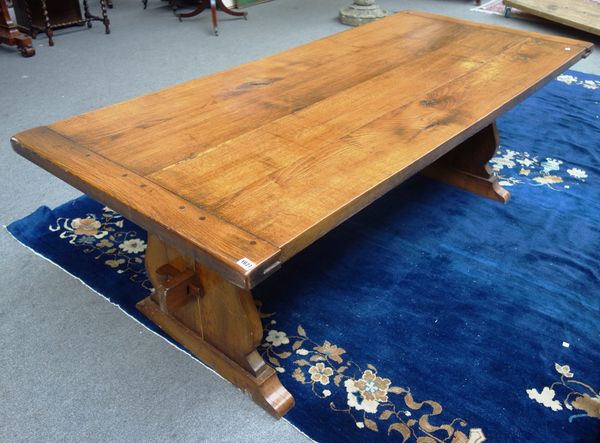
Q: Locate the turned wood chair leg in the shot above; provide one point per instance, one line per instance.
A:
(86, 14)
(217, 321)
(48, 28)
(32, 31)
(105, 19)
(466, 166)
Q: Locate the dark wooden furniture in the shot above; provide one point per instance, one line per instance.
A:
(35, 16)
(235, 173)
(10, 35)
(172, 4)
(213, 5)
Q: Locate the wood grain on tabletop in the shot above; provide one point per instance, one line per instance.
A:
(579, 14)
(281, 150)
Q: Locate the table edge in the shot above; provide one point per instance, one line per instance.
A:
(538, 35)
(193, 247)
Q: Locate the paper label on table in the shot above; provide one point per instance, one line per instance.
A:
(246, 263)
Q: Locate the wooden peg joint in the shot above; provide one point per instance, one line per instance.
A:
(176, 287)
(214, 319)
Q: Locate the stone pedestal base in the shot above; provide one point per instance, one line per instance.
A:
(361, 12)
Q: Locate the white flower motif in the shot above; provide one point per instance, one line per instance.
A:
(505, 183)
(476, 435)
(302, 352)
(526, 162)
(551, 164)
(546, 398)
(498, 163)
(563, 370)
(133, 246)
(568, 79)
(577, 173)
(277, 338)
(360, 424)
(356, 401)
(326, 393)
(280, 369)
(590, 84)
(510, 154)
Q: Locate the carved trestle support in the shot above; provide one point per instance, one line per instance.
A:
(466, 166)
(217, 321)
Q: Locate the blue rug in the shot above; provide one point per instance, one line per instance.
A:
(433, 315)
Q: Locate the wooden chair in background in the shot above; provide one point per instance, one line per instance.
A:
(37, 16)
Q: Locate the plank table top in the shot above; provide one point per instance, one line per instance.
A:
(243, 169)
(579, 14)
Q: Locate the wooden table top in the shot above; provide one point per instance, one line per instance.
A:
(257, 162)
(579, 14)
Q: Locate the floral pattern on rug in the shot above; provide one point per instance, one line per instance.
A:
(103, 235)
(372, 401)
(516, 168)
(576, 396)
(573, 80)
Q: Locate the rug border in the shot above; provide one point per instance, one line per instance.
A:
(166, 340)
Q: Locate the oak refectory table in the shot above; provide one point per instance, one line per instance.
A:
(234, 173)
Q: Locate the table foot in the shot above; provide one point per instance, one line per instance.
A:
(215, 320)
(466, 166)
(10, 35)
(25, 45)
(27, 51)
